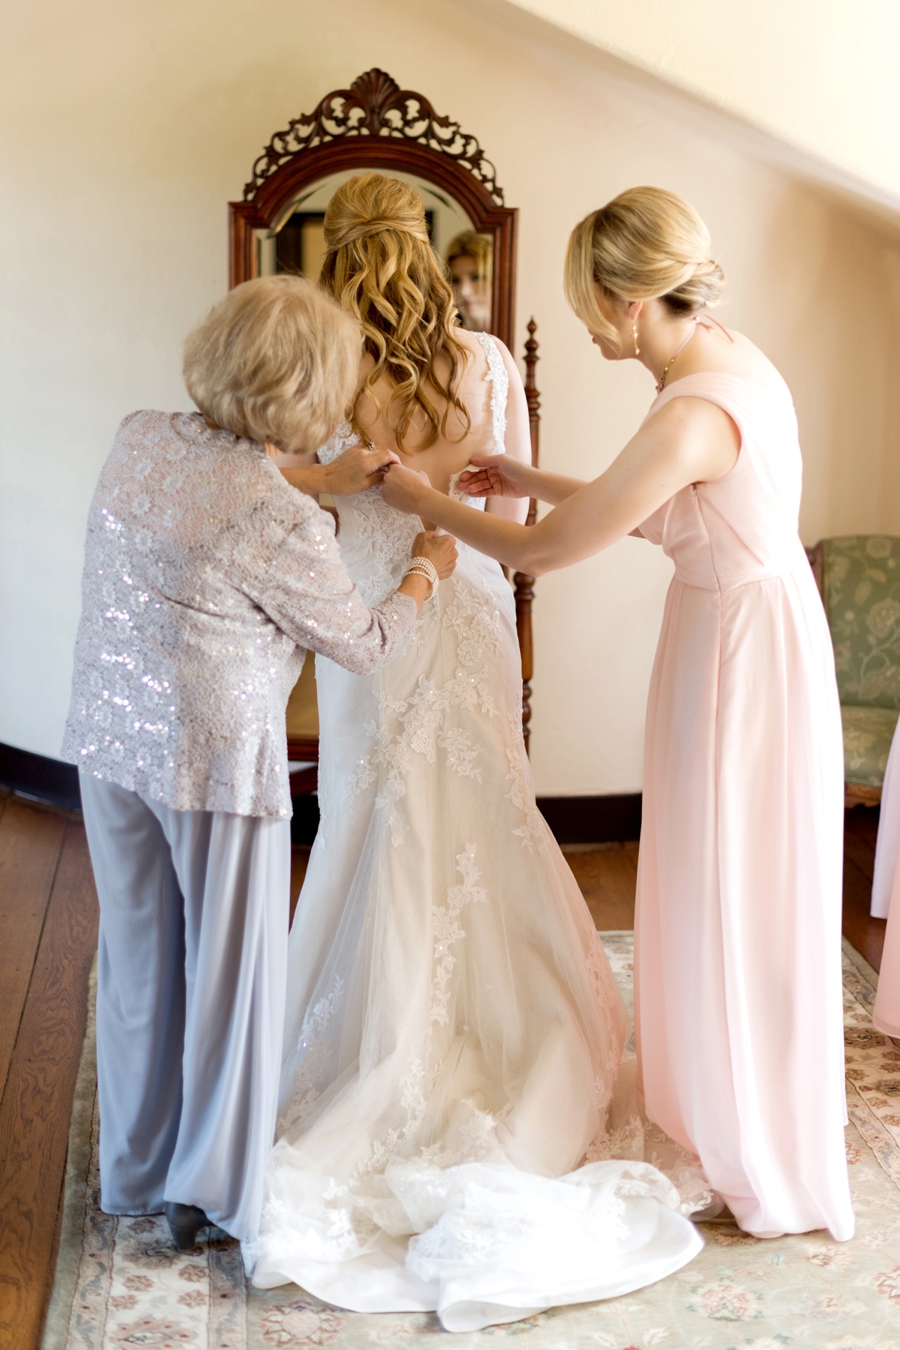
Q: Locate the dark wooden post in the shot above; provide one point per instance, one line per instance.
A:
(524, 584)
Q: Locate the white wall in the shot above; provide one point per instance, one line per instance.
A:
(821, 75)
(126, 129)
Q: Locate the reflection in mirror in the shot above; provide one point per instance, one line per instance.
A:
(470, 258)
(296, 241)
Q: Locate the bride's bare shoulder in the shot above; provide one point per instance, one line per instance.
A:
(478, 365)
(473, 341)
(475, 367)
(468, 339)
(472, 344)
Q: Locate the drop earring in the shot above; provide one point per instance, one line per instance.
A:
(637, 350)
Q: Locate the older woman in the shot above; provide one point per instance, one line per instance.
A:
(207, 576)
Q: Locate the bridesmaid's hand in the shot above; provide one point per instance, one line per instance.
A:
(495, 476)
(406, 489)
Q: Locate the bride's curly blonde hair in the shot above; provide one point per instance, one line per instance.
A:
(381, 268)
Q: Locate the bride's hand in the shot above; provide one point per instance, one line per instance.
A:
(404, 488)
(495, 476)
(359, 468)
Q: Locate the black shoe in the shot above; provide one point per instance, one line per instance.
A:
(185, 1222)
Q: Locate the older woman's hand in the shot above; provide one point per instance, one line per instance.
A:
(361, 467)
(406, 489)
(439, 549)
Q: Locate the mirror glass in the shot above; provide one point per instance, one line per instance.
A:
(296, 243)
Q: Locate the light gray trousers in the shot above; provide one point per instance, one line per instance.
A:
(190, 1002)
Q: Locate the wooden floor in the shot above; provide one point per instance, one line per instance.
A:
(48, 928)
(865, 933)
(48, 934)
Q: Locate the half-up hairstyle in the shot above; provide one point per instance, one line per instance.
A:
(380, 266)
(646, 244)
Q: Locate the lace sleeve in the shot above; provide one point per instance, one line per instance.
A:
(497, 374)
(308, 593)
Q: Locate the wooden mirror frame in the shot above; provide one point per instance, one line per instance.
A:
(377, 125)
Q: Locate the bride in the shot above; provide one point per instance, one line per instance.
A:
(449, 1117)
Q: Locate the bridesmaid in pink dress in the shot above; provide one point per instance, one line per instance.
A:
(886, 896)
(737, 952)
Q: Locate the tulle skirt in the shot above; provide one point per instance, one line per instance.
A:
(455, 1133)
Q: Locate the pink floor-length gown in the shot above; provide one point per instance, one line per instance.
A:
(886, 1013)
(886, 895)
(738, 935)
(887, 846)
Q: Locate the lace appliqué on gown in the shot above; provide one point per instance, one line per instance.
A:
(532, 833)
(448, 931)
(473, 618)
(418, 727)
(497, 374)
(476, 1135)
(426, 722)
(382, 535)
(400, 1140)
(314, 1055)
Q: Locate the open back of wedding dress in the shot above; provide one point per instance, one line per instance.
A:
(454, 1031)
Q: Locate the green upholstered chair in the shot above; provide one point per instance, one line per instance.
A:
(859, 580)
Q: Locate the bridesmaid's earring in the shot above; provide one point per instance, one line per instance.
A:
(637, 350)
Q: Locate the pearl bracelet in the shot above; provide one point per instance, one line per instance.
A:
(424, 567)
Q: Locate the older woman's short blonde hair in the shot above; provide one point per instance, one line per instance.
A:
(277, 360)
(645, 244)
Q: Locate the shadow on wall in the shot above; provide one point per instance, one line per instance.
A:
(840, 374)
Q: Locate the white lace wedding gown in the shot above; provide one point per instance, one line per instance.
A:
(454, 1031)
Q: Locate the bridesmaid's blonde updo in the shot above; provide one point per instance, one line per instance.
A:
(646, 244)
(380, 266)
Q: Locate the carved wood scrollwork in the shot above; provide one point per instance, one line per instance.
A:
(375, 105)
(377, 125)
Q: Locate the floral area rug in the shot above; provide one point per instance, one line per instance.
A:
(120, 1285)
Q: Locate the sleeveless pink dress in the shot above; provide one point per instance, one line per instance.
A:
(886, 896)
(738, 1001)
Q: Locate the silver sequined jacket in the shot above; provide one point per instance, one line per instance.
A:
(206, 576)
